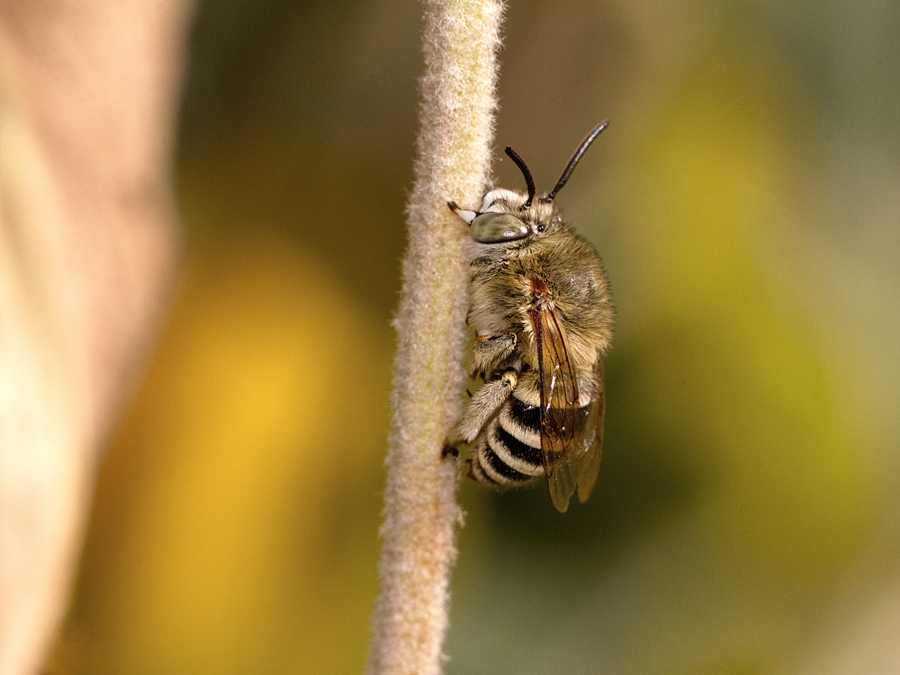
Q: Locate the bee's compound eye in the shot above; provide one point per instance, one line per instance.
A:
(495, 228)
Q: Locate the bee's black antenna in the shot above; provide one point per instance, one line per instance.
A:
(529, 181)
(570, 167)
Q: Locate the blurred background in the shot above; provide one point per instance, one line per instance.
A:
(746, 201)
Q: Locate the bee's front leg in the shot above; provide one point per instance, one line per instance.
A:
(482, 408)
(490, 351)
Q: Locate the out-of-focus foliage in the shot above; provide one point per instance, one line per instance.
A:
(745, 201)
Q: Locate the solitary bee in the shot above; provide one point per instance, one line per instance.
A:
(542, 313)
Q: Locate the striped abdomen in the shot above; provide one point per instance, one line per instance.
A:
(508, 453)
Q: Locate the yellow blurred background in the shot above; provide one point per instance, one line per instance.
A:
(746, 201)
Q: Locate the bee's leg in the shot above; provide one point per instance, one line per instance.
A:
(490, 351)
(482, 408)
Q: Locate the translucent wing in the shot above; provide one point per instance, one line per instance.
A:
(563, 423)
(593, 436)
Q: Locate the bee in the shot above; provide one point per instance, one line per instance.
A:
(541, 309)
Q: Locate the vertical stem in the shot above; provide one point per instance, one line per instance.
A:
(461, 41)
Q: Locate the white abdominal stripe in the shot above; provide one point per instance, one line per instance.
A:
(509, 453)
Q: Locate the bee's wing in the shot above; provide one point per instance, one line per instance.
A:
(593, 436)
(562, 421)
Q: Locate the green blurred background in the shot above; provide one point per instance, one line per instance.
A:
(746, 201)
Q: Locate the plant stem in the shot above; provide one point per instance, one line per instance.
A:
(461, 41)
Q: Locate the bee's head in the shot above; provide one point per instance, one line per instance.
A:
(506, 216)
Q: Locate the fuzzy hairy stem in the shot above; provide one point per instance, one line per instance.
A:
(461, 41)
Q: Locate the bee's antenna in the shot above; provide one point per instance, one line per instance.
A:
(570, 167)
(529, 181)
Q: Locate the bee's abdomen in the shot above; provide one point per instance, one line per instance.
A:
(509, 453)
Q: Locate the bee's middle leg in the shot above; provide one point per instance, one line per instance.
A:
(490, 351)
